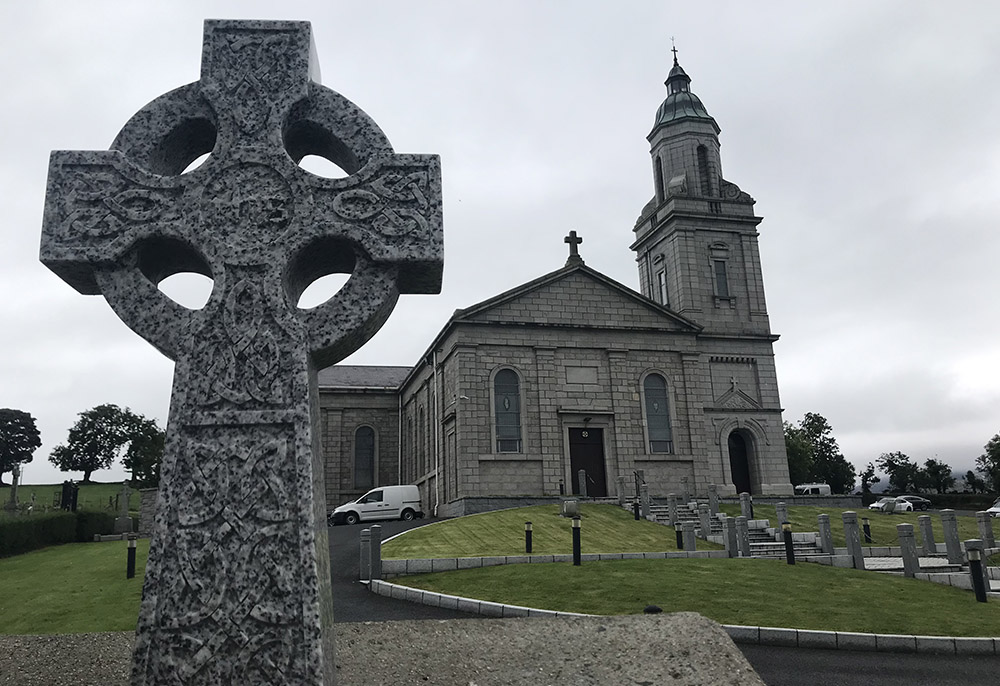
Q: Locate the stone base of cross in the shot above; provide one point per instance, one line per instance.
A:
(237, 587)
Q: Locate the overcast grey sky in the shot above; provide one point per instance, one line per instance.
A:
(866, 131)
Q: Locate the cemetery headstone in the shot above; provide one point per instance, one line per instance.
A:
(685, 490)
(704, 520)
(123, 523)
(853, 536)
(237, 586)
(713, 499)
(687, 530)
(570, 508)
(985, 523)
(746, 508)
(644, 501)
(825, 534)
(952, 544)
(729, 536)
(780, 513)
(908, 549)
(621, 491)
(581, 477)
(672, 509)
(929, 547)
(742, 536)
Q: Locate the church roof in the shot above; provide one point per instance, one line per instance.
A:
(570, 297)
(362, 376)
(681, 103)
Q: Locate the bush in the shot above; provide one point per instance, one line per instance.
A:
(21, 534)
(24, 533)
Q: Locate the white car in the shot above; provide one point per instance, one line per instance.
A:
(890, 505)
(995, 509)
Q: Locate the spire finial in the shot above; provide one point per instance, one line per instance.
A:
(673, 49)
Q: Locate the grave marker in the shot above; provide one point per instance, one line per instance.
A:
(237, 585)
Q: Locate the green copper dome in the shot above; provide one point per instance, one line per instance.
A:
(681, 103)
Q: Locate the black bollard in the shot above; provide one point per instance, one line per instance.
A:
(786, 530)
(867, 529)
(576, 541)
(130, 564)
(680, 536)
(635, 509)
(527, 538)
(976, 570)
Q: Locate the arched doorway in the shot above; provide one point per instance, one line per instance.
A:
(739, 461)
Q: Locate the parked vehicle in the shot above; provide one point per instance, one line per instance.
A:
(889, 505)
(995, 509)
(812, 489)
(918, 502)
(385, 502)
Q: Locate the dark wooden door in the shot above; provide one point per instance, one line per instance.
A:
(586, 452)
(739, 462)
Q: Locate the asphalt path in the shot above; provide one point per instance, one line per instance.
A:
(776, 666)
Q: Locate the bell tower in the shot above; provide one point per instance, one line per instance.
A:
(696, 239)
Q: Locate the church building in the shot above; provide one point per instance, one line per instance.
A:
(572, 380)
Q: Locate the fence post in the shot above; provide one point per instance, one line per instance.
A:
(644, 500)
(746, 507)
(908, 549)
(853, 539)
(621, 491)
(581, 480)
(977, 570)
(366, 555)
(376, 554)
(672, 508)
(825, 534)
(713, 499)
(685, 491)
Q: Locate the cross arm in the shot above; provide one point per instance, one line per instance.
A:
(97, 207)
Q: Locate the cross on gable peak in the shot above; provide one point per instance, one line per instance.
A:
(574, 242)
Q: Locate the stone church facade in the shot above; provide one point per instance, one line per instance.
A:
(574, 371)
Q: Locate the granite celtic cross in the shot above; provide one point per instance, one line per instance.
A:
(237, 587)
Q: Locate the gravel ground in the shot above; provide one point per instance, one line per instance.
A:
(681, 648)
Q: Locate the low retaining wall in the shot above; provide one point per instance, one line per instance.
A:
(392, 568)
(808, 500)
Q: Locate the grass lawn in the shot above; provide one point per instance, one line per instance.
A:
(604, 529)
(72, 588)
(883, 526)
(92, 496)
(750, 592)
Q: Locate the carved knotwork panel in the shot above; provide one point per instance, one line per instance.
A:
(232, 573)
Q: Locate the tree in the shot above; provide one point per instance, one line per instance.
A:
(988, 464)
(799, 455)
(936, 475)
(145, 450)
(19, 439)
(974, 483)
(100, 436)
(826, 463)
(901, 469)
(868, 478)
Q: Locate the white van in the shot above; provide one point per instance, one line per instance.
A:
(812, 489)
(385, 502)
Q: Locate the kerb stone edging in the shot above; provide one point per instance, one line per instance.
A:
(758, 635)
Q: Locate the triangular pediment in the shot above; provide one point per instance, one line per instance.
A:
(736, 399)
(576, 296)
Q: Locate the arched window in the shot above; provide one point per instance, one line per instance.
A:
(364, 457)
(658, 429)
(507, 410)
